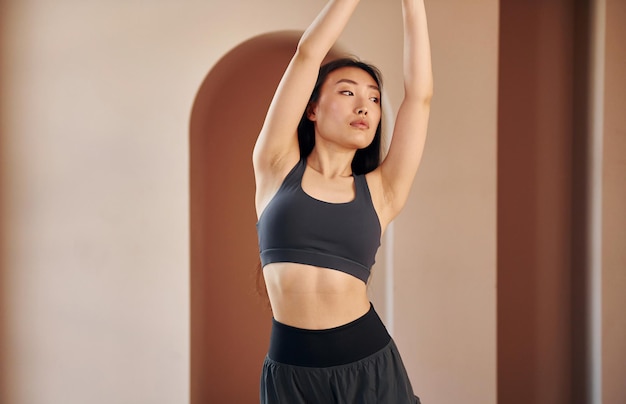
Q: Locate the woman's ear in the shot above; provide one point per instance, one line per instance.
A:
(311, 111)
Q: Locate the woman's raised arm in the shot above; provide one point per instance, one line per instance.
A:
(277, 144)
(398, 170)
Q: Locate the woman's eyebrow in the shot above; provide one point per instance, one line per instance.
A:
(355, 83)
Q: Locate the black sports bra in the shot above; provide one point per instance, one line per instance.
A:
(295, 227)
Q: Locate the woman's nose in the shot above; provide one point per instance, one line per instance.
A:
(361, 110)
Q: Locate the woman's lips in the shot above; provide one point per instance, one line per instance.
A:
(360, 124)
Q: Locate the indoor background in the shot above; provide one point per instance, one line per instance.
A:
(127, 229)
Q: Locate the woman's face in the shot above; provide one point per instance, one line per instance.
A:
(347, 111)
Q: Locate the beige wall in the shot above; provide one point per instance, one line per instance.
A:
(614, 208)
(97, 100)
(445, 239)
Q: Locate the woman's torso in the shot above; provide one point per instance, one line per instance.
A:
(314, 297)
(310, 297)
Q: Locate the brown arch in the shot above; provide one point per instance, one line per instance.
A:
(229, 321)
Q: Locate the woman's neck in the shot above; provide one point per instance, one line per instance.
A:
(330, 164)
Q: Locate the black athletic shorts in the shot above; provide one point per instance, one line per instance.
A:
(355, 363)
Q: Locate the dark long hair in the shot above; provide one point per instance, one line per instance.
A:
(366, 159)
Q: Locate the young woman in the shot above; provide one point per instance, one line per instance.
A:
(323, 200)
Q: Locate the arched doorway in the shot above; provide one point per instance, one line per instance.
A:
(230, 322)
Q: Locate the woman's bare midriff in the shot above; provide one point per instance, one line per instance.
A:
(314, 298)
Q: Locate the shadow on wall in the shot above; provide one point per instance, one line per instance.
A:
(230, 321)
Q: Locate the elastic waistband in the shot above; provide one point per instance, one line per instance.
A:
(341, 345)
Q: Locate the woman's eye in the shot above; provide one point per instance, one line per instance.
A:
(375, 100)
(347, 92)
